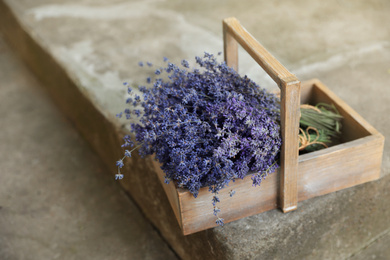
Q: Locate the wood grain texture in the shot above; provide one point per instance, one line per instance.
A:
(230, 48)
(171, 191)
(340, 167)
(290, 93)
(328, 170)
(289, 120)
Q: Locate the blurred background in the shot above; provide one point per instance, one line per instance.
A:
(62, 65)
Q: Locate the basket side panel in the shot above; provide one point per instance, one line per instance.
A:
(170, 191)
(307, 91)
(340, 167)
(248, 200)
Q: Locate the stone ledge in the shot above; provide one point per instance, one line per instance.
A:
(335, 225)
(56, 199)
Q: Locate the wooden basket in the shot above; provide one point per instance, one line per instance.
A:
(355, 161)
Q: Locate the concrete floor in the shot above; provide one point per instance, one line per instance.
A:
(56, 199)
(96, 44)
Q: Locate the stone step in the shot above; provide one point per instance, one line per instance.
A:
(56, 199)
(82, 51)
(378, 249)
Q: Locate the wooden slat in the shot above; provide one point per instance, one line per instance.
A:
(230, 48)
(290, 90)
(272, 66)
(289, 117)
(248, 200)
(171, 191)
(328, 170)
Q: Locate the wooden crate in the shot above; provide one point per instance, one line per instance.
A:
(356, 160)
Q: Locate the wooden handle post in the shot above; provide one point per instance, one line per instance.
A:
(289, 85)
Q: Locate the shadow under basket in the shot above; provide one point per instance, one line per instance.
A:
(356, 160)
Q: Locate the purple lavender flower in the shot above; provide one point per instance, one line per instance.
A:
(118, 176)
(127, 153)
(216, 211)
(207, 126)
(185, 64)
(219, 222)
(120, 163)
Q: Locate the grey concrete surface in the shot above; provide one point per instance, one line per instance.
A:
(101, 42)
(56, 199)
(345, 44)
(378, 250)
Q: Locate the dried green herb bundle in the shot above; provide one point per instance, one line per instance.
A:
(320, 126)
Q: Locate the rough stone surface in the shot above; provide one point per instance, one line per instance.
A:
(378, 250)
(97, 45)
(56, 199)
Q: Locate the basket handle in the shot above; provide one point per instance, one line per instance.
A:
(289, 85)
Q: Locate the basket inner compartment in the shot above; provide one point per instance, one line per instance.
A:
(351, 128)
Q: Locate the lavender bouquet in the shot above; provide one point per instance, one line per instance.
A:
(207, 126)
